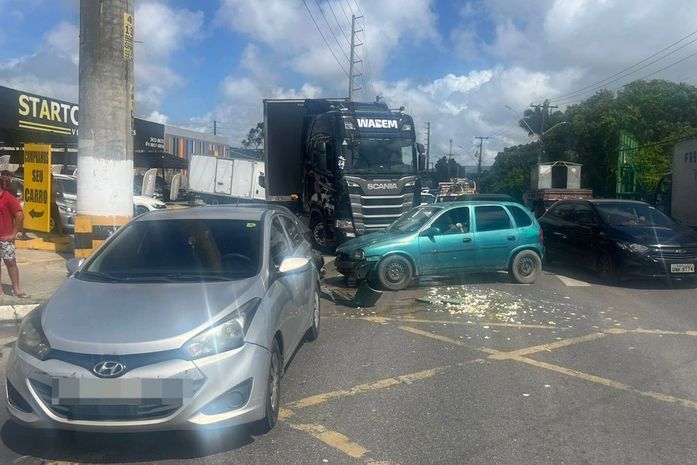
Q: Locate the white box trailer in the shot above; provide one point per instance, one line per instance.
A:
(223, 180)
(684, 188)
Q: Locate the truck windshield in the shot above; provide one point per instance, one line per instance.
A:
(380, 156)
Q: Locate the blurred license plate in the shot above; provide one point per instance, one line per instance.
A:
(680, 268)
(126, 391)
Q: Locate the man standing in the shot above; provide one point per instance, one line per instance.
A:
(11, 217)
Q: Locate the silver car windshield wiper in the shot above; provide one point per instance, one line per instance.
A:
(195, 277)
(101, 276)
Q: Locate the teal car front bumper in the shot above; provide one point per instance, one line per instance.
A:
(354, 269)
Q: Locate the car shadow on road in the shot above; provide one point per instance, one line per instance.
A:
(69, 446)
(588, 276)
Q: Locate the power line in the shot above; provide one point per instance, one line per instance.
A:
(341, 4)
(325, 39)
(337, 22)
(638, 79)
(330, 29)
(603, 81)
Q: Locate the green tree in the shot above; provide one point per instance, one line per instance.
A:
(254, 138)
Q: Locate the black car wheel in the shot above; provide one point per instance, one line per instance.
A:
(607, 271)
(394, 273)
(526, 267)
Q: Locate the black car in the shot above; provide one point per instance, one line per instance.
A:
(618, 239)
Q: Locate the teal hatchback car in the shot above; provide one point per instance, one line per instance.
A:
(447, 239)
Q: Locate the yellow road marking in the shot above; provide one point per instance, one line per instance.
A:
(361, 388)
(661, 332)
(438, 337)
(384, 320)
(607, 382)
(547, 347)
(332, 438)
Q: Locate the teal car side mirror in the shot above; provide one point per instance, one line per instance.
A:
(430, 232)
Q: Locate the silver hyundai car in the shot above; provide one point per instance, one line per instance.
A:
(182, 319)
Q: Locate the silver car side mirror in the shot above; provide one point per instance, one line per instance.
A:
(294, 265)
(74, 264)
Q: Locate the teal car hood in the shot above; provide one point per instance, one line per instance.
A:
(369, 240)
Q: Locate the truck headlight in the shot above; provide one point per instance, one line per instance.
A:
(358, 254)
(225, 335)
(32, 339)
(352, 184)
(410, 184)
(632, 247)
(343, 224)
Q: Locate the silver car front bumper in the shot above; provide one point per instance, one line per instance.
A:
(209, 377)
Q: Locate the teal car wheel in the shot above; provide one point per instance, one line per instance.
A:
(526, 267)
(394, 273)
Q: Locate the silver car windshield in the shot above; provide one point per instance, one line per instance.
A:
(179, 250)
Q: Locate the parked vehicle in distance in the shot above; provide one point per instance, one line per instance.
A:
(225, 180)
(447, 239)
(143, 204)
(183, 319)
(619, 238)
(427, 198)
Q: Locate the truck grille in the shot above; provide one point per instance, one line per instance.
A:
(375, 213)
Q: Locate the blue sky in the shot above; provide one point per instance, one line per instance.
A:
(455, 63)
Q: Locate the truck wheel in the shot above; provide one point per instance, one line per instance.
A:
(525, 267)
(394, 273)
(318, 230)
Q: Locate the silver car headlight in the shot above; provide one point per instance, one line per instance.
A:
(631, 247)
(225, 335)
(32, 339)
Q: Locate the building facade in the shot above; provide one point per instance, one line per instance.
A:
(184, 142)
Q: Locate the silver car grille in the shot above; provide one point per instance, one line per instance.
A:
(146, 410)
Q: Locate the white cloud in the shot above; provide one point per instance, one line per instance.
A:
(157, 117)
(160, 30)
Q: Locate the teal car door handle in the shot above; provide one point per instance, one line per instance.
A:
(467, 239)
(511, 238)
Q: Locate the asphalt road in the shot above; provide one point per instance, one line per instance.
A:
(565, 371)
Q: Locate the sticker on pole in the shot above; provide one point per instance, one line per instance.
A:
(37, 187)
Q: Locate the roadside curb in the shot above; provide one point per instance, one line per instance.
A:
(15, 312)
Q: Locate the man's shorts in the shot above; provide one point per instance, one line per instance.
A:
(7, 250)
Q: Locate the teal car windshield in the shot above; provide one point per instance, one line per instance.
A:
(412, 220)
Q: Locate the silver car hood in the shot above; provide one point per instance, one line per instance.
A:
(129, 318)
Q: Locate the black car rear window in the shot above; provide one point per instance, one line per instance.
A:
(522, 219)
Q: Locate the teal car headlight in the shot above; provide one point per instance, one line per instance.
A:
(358, 254)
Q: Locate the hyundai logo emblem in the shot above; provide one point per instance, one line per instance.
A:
(109, 369)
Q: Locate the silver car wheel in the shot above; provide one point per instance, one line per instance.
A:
(274, 381)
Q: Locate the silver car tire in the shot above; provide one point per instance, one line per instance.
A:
(313, 332)
(273, 391)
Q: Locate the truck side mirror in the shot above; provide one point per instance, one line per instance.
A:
(262, 180)
(422, 162)
(420, 148)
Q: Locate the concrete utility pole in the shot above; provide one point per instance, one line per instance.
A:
(352, 59)
(544, 107)
(215, 128)
(479, 159)
(450, 157)
(105, 139)
(428, 144)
